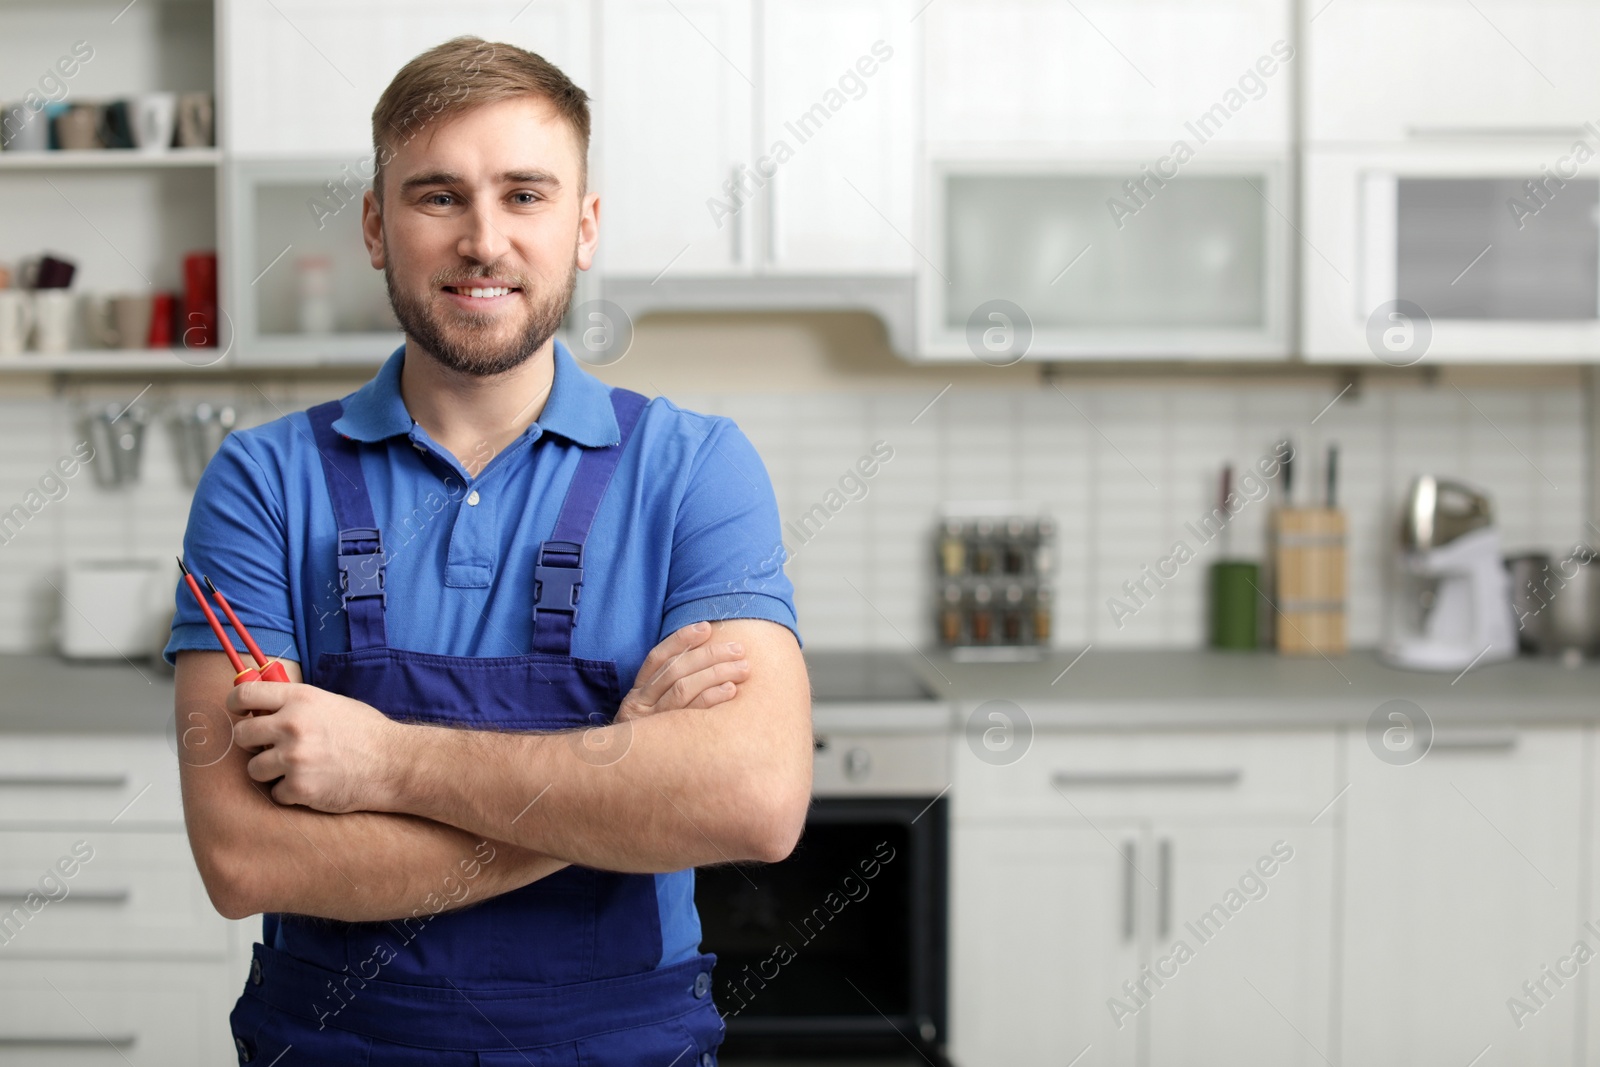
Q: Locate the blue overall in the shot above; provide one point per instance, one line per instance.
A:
(560, 972)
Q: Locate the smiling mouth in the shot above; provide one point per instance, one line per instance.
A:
(481, 292)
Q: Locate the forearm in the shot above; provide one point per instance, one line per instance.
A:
(690, 787)
(256, 855)
(361, 866)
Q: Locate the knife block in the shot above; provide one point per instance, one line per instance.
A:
(1308, 564)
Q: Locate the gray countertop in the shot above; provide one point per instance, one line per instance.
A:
(1143, 689)
(1203, 689)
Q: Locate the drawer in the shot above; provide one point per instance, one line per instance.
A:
(1175, 777)
(59, 780)
(117, 1014)
(137, 894)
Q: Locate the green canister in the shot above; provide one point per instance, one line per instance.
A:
(1235, 586)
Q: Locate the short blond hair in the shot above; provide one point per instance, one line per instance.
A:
(464, 73)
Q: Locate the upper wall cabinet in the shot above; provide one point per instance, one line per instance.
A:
(1109, 70)
(677, 88)
(838, 95)
(1390, 70)
(741, 137)
(304, 75)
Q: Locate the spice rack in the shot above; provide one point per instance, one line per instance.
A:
(993, 598)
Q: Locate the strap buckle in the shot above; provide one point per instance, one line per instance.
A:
(361, 565)
(555, 584)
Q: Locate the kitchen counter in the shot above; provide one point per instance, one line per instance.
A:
(1127, 689)
(1136, 689)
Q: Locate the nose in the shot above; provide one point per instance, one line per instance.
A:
(481, 240)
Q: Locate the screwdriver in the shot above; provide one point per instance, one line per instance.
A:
(245, 674)
(271, 670)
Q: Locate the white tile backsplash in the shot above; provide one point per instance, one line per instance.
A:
(1122, 467)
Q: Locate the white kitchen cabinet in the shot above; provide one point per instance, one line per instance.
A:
(1107, 70)
(1463, 879)
(742, 138)
(1392, 70)
(110, 950)
(1045, 932)
(1257, 986)
(1084, 863)
(674, 114)
(839, 84)
(303, 76)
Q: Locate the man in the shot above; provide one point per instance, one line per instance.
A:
(478, 849)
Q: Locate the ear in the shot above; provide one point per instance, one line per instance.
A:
(588, 229)
(372, 228)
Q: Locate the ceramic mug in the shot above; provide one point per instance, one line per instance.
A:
(16, 319)
(154, 118)
(52, 320)
(121, 321)
(78, 129)
(22, 129)
(196, 120)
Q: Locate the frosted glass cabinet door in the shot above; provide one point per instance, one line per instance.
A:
(304, 75)
(839, 76)
(1194, 265)
(674, 114)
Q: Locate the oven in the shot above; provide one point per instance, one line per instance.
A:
(840, 951)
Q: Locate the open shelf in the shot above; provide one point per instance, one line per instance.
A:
(103, 360)
(109, 159)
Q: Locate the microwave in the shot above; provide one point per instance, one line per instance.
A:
(1144, 252)
(1483, 250)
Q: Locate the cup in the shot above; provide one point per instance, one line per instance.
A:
(116, 125)
(154, 119)
(1234, 585)
(16, 318)
(48, 272)
(163, 307)
(121, 321)
(78, 128)
(199, 300)
(52, 320)
(22, 129)
(196, 120)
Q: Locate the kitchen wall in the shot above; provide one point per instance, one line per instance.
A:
(1123, 462)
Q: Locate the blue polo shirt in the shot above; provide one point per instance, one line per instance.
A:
(688, 530)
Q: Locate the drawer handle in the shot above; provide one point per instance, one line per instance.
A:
(1142, 779)
(66, 1041)
(1469, 741)
(81, 896)
(72, 781)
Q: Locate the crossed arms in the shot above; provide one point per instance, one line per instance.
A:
(372, 817)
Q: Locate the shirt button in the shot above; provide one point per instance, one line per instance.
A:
(255, 972)
(243, 1046)
(707, 1061)
(702, 985)
(472, 498)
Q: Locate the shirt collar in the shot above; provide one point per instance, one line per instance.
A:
(578, 407)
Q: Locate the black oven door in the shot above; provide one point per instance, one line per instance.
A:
(841, 948)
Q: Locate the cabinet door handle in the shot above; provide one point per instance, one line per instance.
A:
(1143, 779)
(1474, 741)
(81, 896)
(120, 1041)
(1165, 903)
(772, 220)
(71, 781)
(738, 217)
(1129, 855)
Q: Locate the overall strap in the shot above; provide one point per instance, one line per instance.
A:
(558, 573)
(361, 586)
